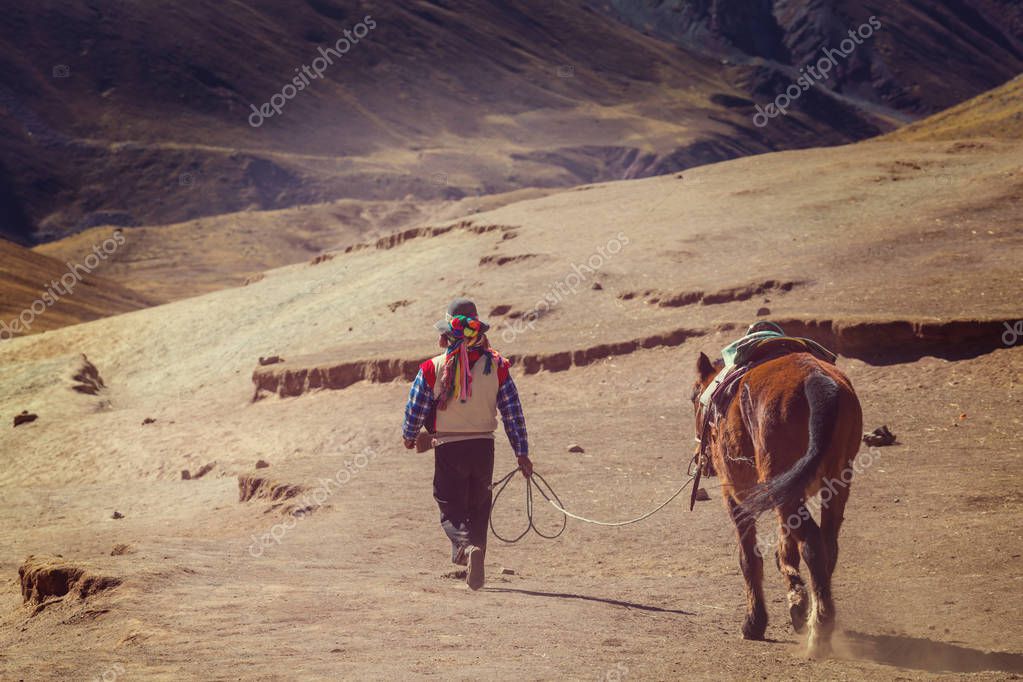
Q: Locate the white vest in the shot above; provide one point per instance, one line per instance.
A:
(477, 415)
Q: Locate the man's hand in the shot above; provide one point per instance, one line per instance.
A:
(525, 466)
(410, 444)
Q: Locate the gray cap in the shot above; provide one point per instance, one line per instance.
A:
(460, 306)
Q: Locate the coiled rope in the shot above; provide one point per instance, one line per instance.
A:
(540, 483)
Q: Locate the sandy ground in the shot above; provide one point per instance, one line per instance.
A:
(928, 580)
(929, 576)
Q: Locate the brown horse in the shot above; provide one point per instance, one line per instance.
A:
(793, 429)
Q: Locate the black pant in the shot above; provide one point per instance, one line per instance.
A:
(461, 486)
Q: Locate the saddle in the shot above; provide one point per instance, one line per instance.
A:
(763, 342)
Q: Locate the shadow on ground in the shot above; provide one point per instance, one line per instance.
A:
(584, 597)
(927, 655)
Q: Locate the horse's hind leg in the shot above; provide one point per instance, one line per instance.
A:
(832, 515)
(815, 555)
(752, 565)
(787, 557)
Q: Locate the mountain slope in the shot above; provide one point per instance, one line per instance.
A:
(176, 261)
(39, 293)
(437, 100)
(862, 231)
(928, 55)
(997, 113)
(185, 259)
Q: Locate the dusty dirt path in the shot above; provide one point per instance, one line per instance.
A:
(928, 580)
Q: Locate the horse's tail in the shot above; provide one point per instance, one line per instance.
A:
(822, 396)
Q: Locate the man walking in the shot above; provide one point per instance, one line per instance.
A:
(457, 396)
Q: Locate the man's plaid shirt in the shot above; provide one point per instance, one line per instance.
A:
(421, 401)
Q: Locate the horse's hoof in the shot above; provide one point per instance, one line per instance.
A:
(754, 629)
(798, 606)
(797, 612)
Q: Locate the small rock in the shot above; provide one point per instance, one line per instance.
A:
(597, 286)
(117, 515)
(879, 437)
(148, 420)
(203, 470)
(120, 550)
(272, 360)
(186, 475)
(896, 500)
(575, 447)
(262, 464)
(762, 312)
(24, 418)
(507, 571)
(702, 495)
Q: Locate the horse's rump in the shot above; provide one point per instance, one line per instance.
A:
(803, 420)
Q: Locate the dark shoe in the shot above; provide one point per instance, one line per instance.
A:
(475, 577)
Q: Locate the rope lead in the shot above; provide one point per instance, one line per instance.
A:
(502, 483)
(555, 502)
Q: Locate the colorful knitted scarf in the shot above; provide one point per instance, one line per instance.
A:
(456, 380)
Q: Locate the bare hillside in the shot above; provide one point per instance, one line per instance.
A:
(41, 293)
(998, 113)
(926, 56)
(437, 100)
